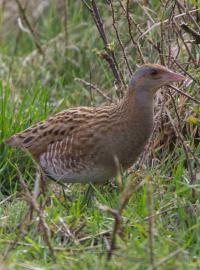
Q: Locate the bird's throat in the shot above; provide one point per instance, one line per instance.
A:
(138, 102)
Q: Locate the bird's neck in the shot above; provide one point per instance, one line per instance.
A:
(138, 102)
(136, 115)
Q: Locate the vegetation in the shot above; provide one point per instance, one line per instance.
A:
(56, 58)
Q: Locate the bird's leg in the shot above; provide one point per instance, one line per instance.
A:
(87, 196)
(90, 195)
(42, 183)
(39, 186)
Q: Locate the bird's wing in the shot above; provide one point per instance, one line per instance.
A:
(65, 124)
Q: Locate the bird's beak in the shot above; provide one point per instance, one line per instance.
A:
(171, 76)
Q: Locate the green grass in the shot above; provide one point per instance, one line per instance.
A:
(36, 88)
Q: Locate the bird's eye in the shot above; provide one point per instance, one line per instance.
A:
(154, 72)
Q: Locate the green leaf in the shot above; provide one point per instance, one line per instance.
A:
(193, 120)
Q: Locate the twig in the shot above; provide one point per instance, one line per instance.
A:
(56, 248)
(167, 258)
(191, 31)
(160, 213)
(130, 20)
(64, 228)
(188, 14)
(116, 227)
(33, 54)
(175, 207)
(118, 37)
(7, 199)
(18, 36)
(179, 135)
(65, 10)
(146, 11)
(186, 148)
(162, 44)
(40, 212)
(95, 88)
(18, 231)
(22, 27)
(130, 187)
(184, 94)
(102, 233)
(130, 33)
(185, 71)
(117, 214)
(30, 28)
(151, 223)
(165, 21)
(178, 30)
(108, 55)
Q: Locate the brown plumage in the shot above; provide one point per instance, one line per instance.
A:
(82, 144)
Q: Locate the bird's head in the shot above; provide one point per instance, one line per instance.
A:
(150, 77)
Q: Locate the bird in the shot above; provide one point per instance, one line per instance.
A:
(88, 144)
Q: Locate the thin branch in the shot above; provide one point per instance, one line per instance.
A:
(185, 71)
(131, 20)
(95, 88)
(130, 188)
(191, 31)
(184, 94)
(192, 20)
(178, 30)
(116, 227)
(167, 258)
(30, 28)
(65, 10)
(108, 55)
(130, 33)
(40, 213)
(151, 223)
(7, 199)
(165, 21)
(180, 136)
(118, 37)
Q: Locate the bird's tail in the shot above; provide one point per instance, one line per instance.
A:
(13, 141)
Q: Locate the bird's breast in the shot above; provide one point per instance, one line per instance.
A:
(131, 140)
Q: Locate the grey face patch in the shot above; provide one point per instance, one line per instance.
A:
(150, 70)
(148, 78)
